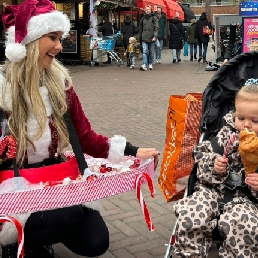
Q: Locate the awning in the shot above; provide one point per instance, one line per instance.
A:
(189, 14)
(153, 3)
(173, 10)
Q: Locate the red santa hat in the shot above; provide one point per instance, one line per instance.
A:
(29, 21)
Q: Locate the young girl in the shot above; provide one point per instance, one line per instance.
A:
(200, 213)
(131, 52)
(35, 93)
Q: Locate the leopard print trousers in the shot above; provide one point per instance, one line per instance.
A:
(197, 217)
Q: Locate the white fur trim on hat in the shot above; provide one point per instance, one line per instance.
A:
(38, 26)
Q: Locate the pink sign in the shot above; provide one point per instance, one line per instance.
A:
(250, 34)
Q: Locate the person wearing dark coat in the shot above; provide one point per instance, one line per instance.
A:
(176, 38)
(107, 30)
(201, 39)
(191, 39)
(127, 29)
(162, 33)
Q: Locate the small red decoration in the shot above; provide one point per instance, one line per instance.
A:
(109, 169)
(8, 142)
(103, 168)
(92, 177)
(137, 162)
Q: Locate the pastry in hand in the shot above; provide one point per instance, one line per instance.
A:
(248, 150)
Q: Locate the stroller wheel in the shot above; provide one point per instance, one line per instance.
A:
(92, 63)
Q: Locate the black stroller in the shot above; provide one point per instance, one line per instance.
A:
(218, 99)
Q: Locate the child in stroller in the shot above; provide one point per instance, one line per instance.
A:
(217, 200)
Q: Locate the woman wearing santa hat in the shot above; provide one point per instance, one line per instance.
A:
(35, 93)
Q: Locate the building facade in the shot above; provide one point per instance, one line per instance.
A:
(228, 10)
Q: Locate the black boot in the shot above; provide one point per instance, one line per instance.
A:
(10, 251)
(195, 57)
(129, 62)
(40, 252)
(191, 59)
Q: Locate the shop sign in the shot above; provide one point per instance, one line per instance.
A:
(250, 34)
(248, 8)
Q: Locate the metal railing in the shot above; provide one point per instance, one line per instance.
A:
(199, 3)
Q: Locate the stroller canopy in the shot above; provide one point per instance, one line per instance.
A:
(219, 95)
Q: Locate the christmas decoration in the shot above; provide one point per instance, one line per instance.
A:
(104, 6)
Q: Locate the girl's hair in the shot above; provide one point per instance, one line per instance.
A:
(24, 78)
(248, 93)
(133, 39)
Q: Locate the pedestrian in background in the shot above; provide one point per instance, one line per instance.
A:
(127, 29)
(148, 33)
(131, 52)
(190, 38)
(201, 39)
(162, 33)
(107, 31)
(176, 39)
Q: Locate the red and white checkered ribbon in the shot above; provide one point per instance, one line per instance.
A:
(4, 218)
(140, 198)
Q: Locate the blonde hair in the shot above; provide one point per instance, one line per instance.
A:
(132, 39)
(248, 93)
(24, 79)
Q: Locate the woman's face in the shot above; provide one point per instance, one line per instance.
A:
(49, 47)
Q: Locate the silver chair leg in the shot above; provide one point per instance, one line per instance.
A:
(173, 235)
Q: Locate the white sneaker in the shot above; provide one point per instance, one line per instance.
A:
(158, 61)
(150, 67)
(143, 68)
(132, 67)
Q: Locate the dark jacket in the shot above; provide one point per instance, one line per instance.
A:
(162, 25)
(231, 41)
(148, 28)
(106, 28)
(177, 34)
(190, 34)
(127, 29)
(199, 27)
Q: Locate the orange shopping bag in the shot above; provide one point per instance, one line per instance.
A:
(182, 134)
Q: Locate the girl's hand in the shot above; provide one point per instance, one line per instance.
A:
(252, 181)
(145, 153)
(220, 165)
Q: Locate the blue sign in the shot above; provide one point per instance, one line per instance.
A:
(248, 8)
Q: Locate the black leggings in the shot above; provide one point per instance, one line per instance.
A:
(80, 229)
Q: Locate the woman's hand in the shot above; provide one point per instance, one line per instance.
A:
(145, 153)
(252, 181)
(220, 165)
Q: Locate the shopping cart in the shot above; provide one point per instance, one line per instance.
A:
(107, 45)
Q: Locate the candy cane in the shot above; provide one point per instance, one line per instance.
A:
(140, 198)
(230, 141)
(4, 218)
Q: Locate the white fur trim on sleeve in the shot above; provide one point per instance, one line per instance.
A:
(116, 149)
(8, 234)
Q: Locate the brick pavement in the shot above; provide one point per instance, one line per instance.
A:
(134, 103)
